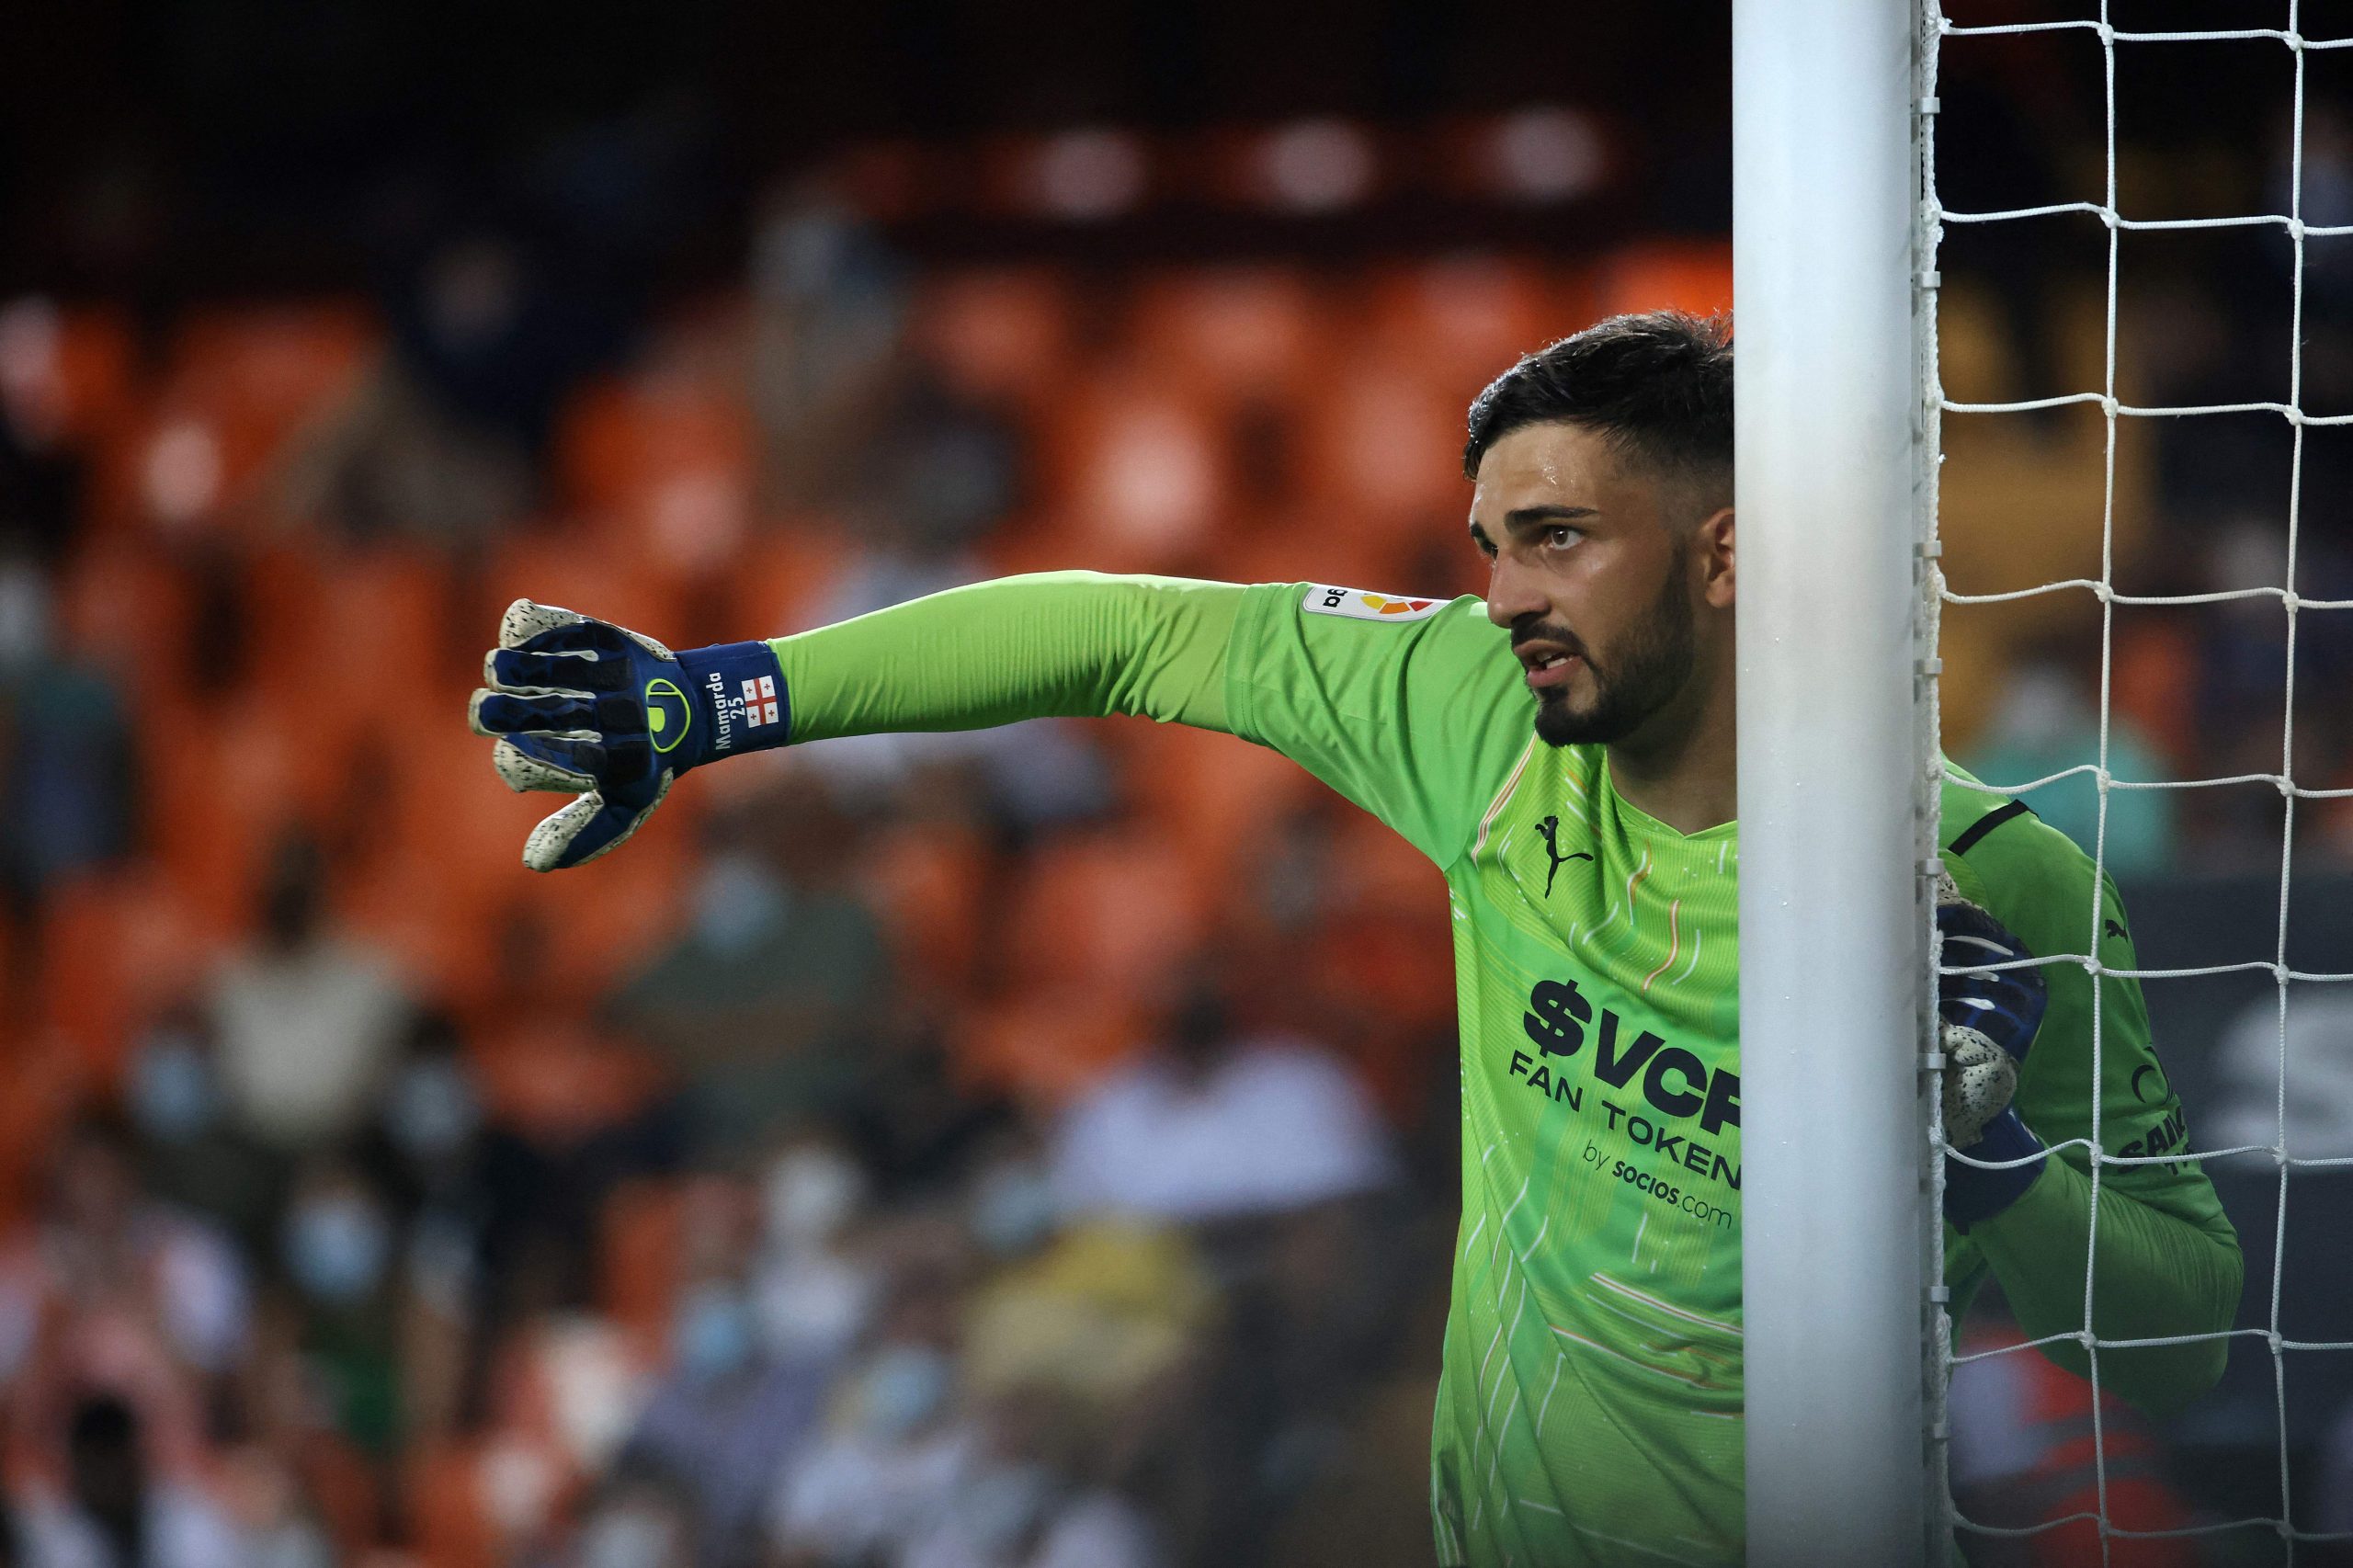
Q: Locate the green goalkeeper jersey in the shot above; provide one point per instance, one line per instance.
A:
(1589, 1410)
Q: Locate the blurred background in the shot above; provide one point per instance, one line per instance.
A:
(1024, 1150)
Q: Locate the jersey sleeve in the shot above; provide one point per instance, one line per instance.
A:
(2169, 1261)
(1413, 710)
(1075, 644)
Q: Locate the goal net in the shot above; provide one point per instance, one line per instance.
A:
(2076, 356)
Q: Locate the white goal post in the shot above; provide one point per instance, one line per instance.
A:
(1836, 793)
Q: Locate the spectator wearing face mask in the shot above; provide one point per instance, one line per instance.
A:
(814, 1290)
(729, 1410)
(188, 1146)
(897, 1442)
(306, 1022)
(763, 1006)
(337, 1250)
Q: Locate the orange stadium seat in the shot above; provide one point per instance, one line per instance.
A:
(1237, 335)
(1461, 321)
(274, 367)
(1694, 276)
(116, 947)
(930, 882)
(1003, 336)
(640, 1249)
(447, 1514)
(574, 569)
(226, 784)
(1135, 473)
(1045, 1043)
(781, 574)
(1109, 906)
(70, 374)
(1381, 449)
(1209, 791)
(239, 384)
(50, 1078)
(128, 610)
(665, 461)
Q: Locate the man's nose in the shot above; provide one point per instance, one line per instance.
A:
(1514, 593)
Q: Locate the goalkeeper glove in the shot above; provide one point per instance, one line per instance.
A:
(582, 706)
(1989, 1020)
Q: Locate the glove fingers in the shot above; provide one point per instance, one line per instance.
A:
(533, 762)
(544, 629)
(575, 718)
(529, 673)
(589, 826)
(526, 620)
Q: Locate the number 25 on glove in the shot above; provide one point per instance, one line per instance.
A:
(586, 707)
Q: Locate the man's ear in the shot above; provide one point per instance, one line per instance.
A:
(1712, 555)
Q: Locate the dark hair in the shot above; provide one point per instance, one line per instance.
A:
(1658, 384)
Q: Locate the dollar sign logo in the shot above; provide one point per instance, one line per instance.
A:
(1556, 1017)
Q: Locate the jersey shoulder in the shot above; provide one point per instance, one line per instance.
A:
(2027, 874)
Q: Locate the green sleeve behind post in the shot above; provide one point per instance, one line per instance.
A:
(1077, 644)
(2168, 1259)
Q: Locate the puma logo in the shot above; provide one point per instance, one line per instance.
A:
(1549, 830)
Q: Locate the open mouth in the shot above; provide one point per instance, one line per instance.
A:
(1551, 669)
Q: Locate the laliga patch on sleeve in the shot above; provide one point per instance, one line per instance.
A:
(1356, 605)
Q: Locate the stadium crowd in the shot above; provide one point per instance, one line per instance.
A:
(1026, 1150)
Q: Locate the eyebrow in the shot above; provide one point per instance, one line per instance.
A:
(1527, 520)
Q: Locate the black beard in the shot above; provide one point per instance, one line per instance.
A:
(1645, 674)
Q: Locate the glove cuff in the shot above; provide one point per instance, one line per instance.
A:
(734, 701)
(1973, 1193)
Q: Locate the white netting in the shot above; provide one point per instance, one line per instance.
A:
(1938, 33)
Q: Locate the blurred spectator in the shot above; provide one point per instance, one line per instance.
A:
(1025, 1505)
(114, 1292)
(188, 1144)
(814, 1291)
(305, 1021)
(829, 304)
(339, 1249)
(391, 462)
(1216, 1125)
(897, 1440)
(764, 1007)
(732, 1410)
(2047, 722)
(118, 1513)
(266, 1504)
(66, 775)
(642, 1520)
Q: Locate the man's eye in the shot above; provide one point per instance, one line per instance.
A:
(1560, 537)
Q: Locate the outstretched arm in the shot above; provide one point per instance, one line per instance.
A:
(1057, 644)
(588, 708)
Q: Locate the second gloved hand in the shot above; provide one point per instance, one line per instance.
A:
(1989, 1022)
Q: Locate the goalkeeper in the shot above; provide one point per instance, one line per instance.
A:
(1564, 752)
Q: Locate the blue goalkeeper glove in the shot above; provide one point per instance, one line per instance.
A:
(1989, 1020)
(584, 707)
